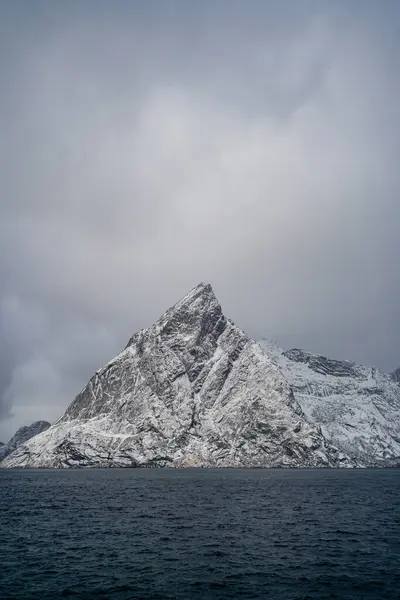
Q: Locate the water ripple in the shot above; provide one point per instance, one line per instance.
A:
(200, 534)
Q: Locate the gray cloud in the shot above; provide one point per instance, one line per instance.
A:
(252, 145)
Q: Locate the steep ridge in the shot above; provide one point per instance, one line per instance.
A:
(356, 407)
(192, 390)
(23, 434)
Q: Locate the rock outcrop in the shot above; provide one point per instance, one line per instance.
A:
(396, 375)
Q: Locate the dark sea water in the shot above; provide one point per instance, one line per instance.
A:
(201, 534)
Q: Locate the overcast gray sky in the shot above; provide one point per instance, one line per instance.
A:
(148, 146)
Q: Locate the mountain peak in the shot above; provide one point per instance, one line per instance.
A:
(198, 309)
(193, 316)
(202, 290)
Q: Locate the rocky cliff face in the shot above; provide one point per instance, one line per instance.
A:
(357, 408)
(21, 436)
(192, 390)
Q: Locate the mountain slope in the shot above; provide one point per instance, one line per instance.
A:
(356, 407)
(21, 436)
(192, 390)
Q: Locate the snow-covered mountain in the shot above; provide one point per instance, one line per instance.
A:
(356, 407)
(21, 436)
(194, 390)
